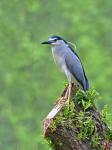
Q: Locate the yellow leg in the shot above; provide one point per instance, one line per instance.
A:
(69, 94)
(66, 94)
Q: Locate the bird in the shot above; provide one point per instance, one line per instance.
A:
(69, 63)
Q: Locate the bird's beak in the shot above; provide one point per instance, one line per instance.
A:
(46, 42)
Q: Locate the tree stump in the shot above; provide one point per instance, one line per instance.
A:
(79, 128)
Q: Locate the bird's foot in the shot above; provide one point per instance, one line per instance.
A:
(61, 100)
(57, 101)
(66, 98)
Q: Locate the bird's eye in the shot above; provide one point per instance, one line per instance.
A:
(55, 40)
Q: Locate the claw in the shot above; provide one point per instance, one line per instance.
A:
(66, 97)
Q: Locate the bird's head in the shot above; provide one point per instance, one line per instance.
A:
(55, 40)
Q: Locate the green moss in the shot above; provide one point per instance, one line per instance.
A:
(57, 121)
(95, 141)
(63, 116)
(85, 125)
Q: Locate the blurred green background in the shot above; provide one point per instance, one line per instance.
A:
(29, 80)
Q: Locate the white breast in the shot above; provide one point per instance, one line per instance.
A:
(59, 59)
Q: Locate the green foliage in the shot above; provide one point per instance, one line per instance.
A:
(57, 122)
(86, 99)
(107, 118)
(87, 129)
(29, 80)
(95, 141)
(50, 143)
(106, 115)
(69, 112)
(85, 125)
(64, 115)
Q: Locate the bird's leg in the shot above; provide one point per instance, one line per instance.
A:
(66, 93)
(69, 94)
(64, 98)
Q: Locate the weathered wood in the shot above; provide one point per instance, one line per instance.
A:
(64, 137)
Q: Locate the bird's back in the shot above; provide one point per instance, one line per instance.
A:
(76, 68)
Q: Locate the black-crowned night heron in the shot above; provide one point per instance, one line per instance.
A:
(69, 63)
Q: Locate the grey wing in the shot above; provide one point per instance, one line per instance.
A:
(75, 67)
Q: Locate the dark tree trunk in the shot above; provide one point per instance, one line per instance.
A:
(80, 128)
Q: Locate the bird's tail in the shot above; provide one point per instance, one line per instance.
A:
(87, 85)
